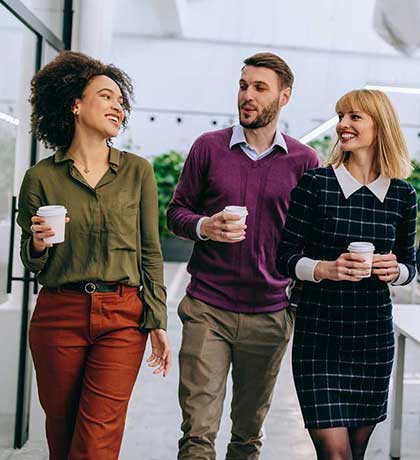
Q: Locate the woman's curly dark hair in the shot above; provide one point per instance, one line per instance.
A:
(55, 88)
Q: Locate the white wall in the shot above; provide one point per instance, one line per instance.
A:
(157, 17)
(320, 24)
(180, 74)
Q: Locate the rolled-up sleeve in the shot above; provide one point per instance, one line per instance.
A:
(28, 203)
(151, 261)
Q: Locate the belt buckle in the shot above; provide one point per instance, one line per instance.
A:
(90, 288)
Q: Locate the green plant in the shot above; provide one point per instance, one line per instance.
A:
(322, 146)
(167, 167)
(414, 180)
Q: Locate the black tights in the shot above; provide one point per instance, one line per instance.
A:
(341, 443)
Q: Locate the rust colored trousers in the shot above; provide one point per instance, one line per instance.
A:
(87, 350)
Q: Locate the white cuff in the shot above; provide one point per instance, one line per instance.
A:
(404, 274)
(198, 229)
(305, 269)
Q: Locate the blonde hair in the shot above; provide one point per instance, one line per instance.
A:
(392, 159)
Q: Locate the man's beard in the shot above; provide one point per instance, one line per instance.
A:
(267, 115)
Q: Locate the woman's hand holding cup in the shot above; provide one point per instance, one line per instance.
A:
(385, 267)
(40, 231)
(349, 266)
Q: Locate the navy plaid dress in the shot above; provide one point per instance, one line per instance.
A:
(343, 342)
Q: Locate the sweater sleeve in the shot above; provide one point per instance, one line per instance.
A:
(184, 209)
(404, 247)
(298, 225)
(151, 269)
(314, 160)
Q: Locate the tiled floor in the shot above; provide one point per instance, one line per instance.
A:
(153, 420)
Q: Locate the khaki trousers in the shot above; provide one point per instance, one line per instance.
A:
(213, 340)
(87, 350)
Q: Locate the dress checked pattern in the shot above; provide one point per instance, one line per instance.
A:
(344, 344)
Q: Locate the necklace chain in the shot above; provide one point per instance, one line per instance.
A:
(86, 170)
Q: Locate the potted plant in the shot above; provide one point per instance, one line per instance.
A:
(322, 146)
(167, 168)
(414, 180)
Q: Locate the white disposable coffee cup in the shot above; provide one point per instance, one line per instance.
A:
(240, 211)
(366, 250)
(55, 217)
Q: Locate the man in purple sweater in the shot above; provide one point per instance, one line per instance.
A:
(235, 310)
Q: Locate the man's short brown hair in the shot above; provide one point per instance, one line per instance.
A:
(274, 62)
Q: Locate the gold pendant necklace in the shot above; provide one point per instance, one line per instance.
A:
(84, 166)
(86, 170)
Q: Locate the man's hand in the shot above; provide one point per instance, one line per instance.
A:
(385, 267)
(223, 227)
(39, 232)
(348, 267)
(161, 356)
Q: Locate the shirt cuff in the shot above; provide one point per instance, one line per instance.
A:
(153, 297)
(150, 320)
(198, 229)
(305, 269)
(403, 277)
(34, 264)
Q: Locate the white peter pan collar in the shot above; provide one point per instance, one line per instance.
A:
(379, 187)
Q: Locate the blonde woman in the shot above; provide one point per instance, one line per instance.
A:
(343, 345)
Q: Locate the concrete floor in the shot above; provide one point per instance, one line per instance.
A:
(153, 420)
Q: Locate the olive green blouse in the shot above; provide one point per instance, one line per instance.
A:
(113, 231)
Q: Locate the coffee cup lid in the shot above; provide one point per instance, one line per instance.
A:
(361, 246)
(51, 210)
(242, 210)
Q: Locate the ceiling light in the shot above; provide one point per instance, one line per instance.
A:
(394, 89)
(9, 119)
(317, 131)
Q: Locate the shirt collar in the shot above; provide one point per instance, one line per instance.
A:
(379, 187)
(238, 137)
(62, 154)
(114, 156)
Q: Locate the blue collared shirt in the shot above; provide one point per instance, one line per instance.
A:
(238, 138)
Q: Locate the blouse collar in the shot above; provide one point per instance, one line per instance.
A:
(379, 187)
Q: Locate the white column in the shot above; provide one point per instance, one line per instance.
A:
(93, 28)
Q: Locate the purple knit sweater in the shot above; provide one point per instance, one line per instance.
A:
(240, 277)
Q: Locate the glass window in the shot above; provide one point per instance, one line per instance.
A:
(8, 131)
(50, 12)
(18, 47)
(49, 54)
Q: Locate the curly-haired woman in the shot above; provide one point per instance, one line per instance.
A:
(89, 329)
